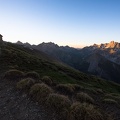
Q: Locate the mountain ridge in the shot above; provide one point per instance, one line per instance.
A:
(80, 58)
(111, 44)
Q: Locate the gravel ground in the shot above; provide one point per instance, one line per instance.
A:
(15, 105)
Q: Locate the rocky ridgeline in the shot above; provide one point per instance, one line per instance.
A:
(110, 50)
(1, 40)
(90, 59)
(112, 44)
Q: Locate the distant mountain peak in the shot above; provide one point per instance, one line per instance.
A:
(27, 43)
(111, 44)
(49, 44)
(19, 42)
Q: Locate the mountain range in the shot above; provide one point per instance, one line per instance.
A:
(102, 60)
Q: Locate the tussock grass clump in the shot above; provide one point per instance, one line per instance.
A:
(40, 92)
(84, 111)
(84, 97)
(77, 87)
(100, 91)
(65, 88)
(33, 75)
(113, 96)
(14, 74)
(25, 83)
(110, 101)
(91, 90)
(58, 102)
(47, 80)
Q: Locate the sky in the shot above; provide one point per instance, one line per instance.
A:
(76, 23)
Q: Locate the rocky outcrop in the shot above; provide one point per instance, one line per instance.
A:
(111, 45)
(19, 43)
(1, 40)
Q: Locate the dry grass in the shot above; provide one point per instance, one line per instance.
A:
(77, 87)
(100, 91)
(40, 92)
(58, 102)
(47, 80)
(110, 101)
(25, 83)
(91, 90)
(65, 88)
(84, 97)
(84, 111)
(33, 75)
(13, 75)
(113, 96)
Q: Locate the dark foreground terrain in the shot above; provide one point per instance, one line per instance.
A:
(15, 105)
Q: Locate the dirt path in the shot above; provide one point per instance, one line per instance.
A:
(17, 106)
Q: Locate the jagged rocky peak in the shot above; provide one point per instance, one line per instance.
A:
(49, 44)
(95, 45)
(111, 44)
(19, 42)
(27, 44)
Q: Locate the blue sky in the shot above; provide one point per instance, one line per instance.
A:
(65, 22)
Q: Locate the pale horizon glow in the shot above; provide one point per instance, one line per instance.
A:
(76, 23)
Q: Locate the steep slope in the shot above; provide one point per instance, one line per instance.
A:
(79, 58)
(103, 60)
(102, 67)
(65, 54)
(18, 57)
(22, 58)
(110, 51)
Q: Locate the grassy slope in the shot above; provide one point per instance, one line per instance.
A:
(17, 57)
